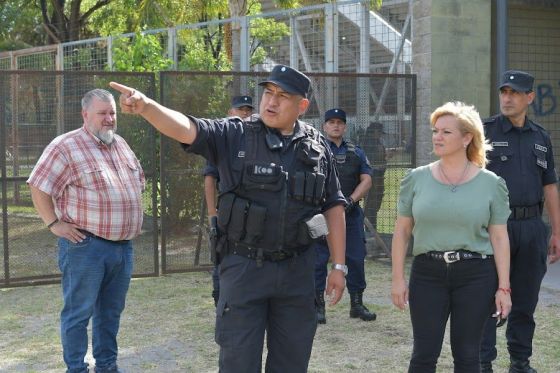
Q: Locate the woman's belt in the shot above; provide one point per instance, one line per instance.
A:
(455, 256)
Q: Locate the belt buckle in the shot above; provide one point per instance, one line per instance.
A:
(455, 257)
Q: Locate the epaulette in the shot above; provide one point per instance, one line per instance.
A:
(539, 126)
(490, 120)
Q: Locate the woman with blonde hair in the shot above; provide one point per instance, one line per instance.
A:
(457, 211)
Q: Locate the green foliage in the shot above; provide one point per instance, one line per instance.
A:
(267, 31)
(142, 53)
(197, 52)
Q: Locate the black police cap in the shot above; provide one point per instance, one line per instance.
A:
(519, 81)
(290, 80)
(335, 114)
(240, 101)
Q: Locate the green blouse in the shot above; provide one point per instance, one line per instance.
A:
(446, 220)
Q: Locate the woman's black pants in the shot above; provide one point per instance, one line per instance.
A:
(462, 292)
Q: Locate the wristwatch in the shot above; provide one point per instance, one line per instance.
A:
(340, 267)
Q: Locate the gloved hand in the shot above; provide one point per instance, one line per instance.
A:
(350, 204)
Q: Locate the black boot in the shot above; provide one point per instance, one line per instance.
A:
(520, 366)
(357, 308)
(320, 306)
(486, 367)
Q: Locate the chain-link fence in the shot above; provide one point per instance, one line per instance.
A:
(35, 107)
(534, 35)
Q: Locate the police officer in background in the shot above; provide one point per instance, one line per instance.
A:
(354, 174)
(522, 156)
(242, 107)
(377, 155)
(279, 191)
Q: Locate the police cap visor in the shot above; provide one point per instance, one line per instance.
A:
(290, 80)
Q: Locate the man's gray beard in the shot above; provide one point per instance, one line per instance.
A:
(106, 137)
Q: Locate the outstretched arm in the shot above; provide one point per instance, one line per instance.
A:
(169, 122)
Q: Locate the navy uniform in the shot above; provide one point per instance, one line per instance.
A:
(351, 163)
(375, 152)
(523, 157)
(270, 186)
(212, 171)
(239, 103)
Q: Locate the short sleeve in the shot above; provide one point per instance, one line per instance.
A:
(499, 204)
(406, 195)
(51, 174)
(549, 176)
(365, 167)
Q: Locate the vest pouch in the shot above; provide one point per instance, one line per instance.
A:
(225, 205)
(236, 227)
(319, 188)
(312, 229)
(263, 176)
(310, 180)
(256, 217)
(298, 186)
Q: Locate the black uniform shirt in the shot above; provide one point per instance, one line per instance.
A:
(522, 157)
(222, 143)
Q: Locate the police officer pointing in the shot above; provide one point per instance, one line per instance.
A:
(522, 156)
(278, 186)
(354, 174)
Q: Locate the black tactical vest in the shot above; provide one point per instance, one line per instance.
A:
(348, 167)
(270, 204)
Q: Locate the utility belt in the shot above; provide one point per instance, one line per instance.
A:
(454, 256)
(248, 223)
(89, 234)
(260, 254)
(525, 212)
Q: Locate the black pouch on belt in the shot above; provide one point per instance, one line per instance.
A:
(236, 227)
(256, 217)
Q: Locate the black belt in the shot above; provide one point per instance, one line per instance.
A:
(260, 254)
(89, 234)
(525, 212)
(455, 256)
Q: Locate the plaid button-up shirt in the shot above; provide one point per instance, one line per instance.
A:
(95, 186)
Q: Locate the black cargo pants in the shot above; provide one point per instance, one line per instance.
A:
(277, 298)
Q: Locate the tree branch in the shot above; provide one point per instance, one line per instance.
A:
(99, 4)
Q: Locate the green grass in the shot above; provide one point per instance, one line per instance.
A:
(168, 326)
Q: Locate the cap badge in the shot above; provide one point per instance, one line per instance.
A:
(283, 69)
(511, 77)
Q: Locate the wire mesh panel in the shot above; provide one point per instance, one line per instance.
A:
(5, 63)
(86, 55)
(38, 106)
(207, 95)
(42, 60)
(534, 37)
(320, 38)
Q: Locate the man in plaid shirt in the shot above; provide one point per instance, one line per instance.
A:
(87, 187)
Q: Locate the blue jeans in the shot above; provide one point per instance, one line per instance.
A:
(462, 292)
(95, 279)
